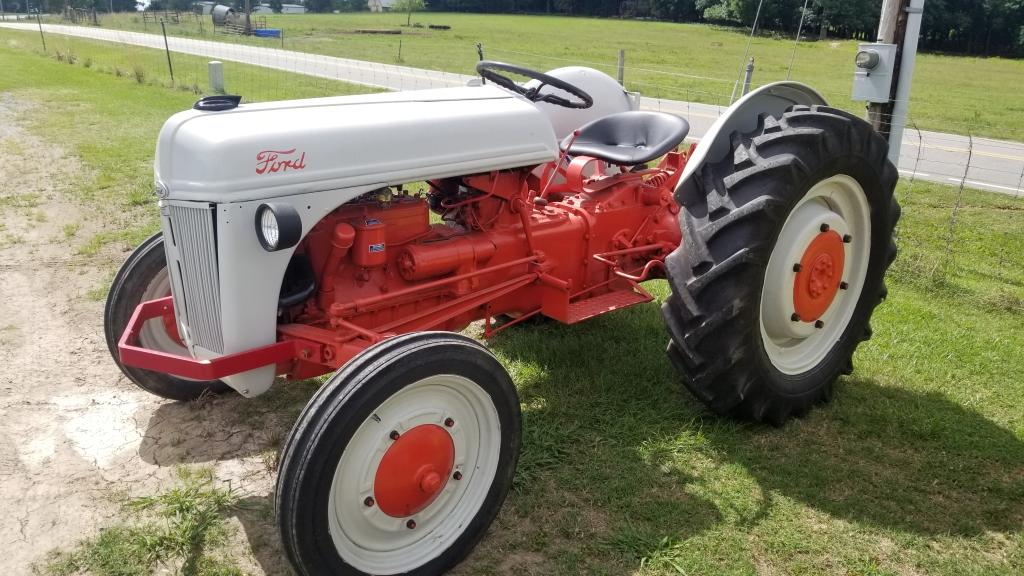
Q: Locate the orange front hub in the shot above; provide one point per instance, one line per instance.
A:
(818, 276)
(414, 470)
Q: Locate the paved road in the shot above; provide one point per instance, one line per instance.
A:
(947, 158)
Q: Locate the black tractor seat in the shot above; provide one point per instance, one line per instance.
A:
(628, 138)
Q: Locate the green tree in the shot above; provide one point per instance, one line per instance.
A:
(858, 18)
(675, 10)
(409, 6)
(351, 5)
(275, 5)
(319, 5)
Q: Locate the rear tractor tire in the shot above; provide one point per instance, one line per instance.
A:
(401, 461)
(142, 277)
(785, 246)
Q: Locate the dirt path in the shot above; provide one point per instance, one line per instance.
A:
(75, 435)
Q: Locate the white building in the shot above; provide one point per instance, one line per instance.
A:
(381, 5)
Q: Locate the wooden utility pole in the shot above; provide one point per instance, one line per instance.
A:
(880, 113)
(908, 30)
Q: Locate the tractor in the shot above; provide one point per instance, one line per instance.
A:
(357, 236)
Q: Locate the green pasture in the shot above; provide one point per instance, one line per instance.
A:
(691, 62)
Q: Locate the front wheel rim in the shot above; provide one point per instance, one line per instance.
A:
(156, 334)
(374, 541)
(836, 206)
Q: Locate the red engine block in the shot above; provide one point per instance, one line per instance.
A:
(569, 243)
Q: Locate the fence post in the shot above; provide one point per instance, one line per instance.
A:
(167, 48)
(748, 75)
(216, 71)
(621, 68)
(40, 22)
(951, 236)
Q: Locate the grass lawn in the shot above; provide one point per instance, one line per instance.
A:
(690, 62)
(916, 467)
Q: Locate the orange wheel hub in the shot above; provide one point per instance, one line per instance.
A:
(819, 276)
(414, 470)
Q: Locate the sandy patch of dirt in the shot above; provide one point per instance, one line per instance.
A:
(74, 433)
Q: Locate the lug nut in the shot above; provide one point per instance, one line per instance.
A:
(394, 435)
(819, 324)
(824, 228)
(847, 238)
(368, 501)
(844, 285)
(797, 267)
(457, 475)
(448, 422)
(795, 317)
(410, 524)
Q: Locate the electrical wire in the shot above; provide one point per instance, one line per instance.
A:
(746, 51)
(799, 29)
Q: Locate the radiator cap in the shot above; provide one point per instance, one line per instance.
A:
(217, 103)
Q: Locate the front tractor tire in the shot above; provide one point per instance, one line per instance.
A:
(785, 246)
(142, 277)
(401, 461)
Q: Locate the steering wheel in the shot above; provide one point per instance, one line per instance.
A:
(489, 70)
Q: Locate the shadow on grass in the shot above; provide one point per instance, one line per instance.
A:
(256, 514)
(229, 427)
(600, 486)
(605, 424)
(620, 468)
(892, 458)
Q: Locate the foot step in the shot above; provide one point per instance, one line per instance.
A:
(584, 309)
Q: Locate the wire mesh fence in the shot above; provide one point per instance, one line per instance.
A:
(962, 194)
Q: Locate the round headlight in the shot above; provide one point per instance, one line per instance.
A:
(866, 59)
(269, 230)
(278, 226)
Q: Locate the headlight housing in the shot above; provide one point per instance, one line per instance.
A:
(278, 226)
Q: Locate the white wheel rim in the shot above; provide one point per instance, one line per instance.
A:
(794, 347)
(154, 334)
(368, 539)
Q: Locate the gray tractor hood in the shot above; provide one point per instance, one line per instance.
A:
(258, 151)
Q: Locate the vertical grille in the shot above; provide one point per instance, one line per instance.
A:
(195, 242)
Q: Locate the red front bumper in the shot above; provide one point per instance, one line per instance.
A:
(132, 354)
